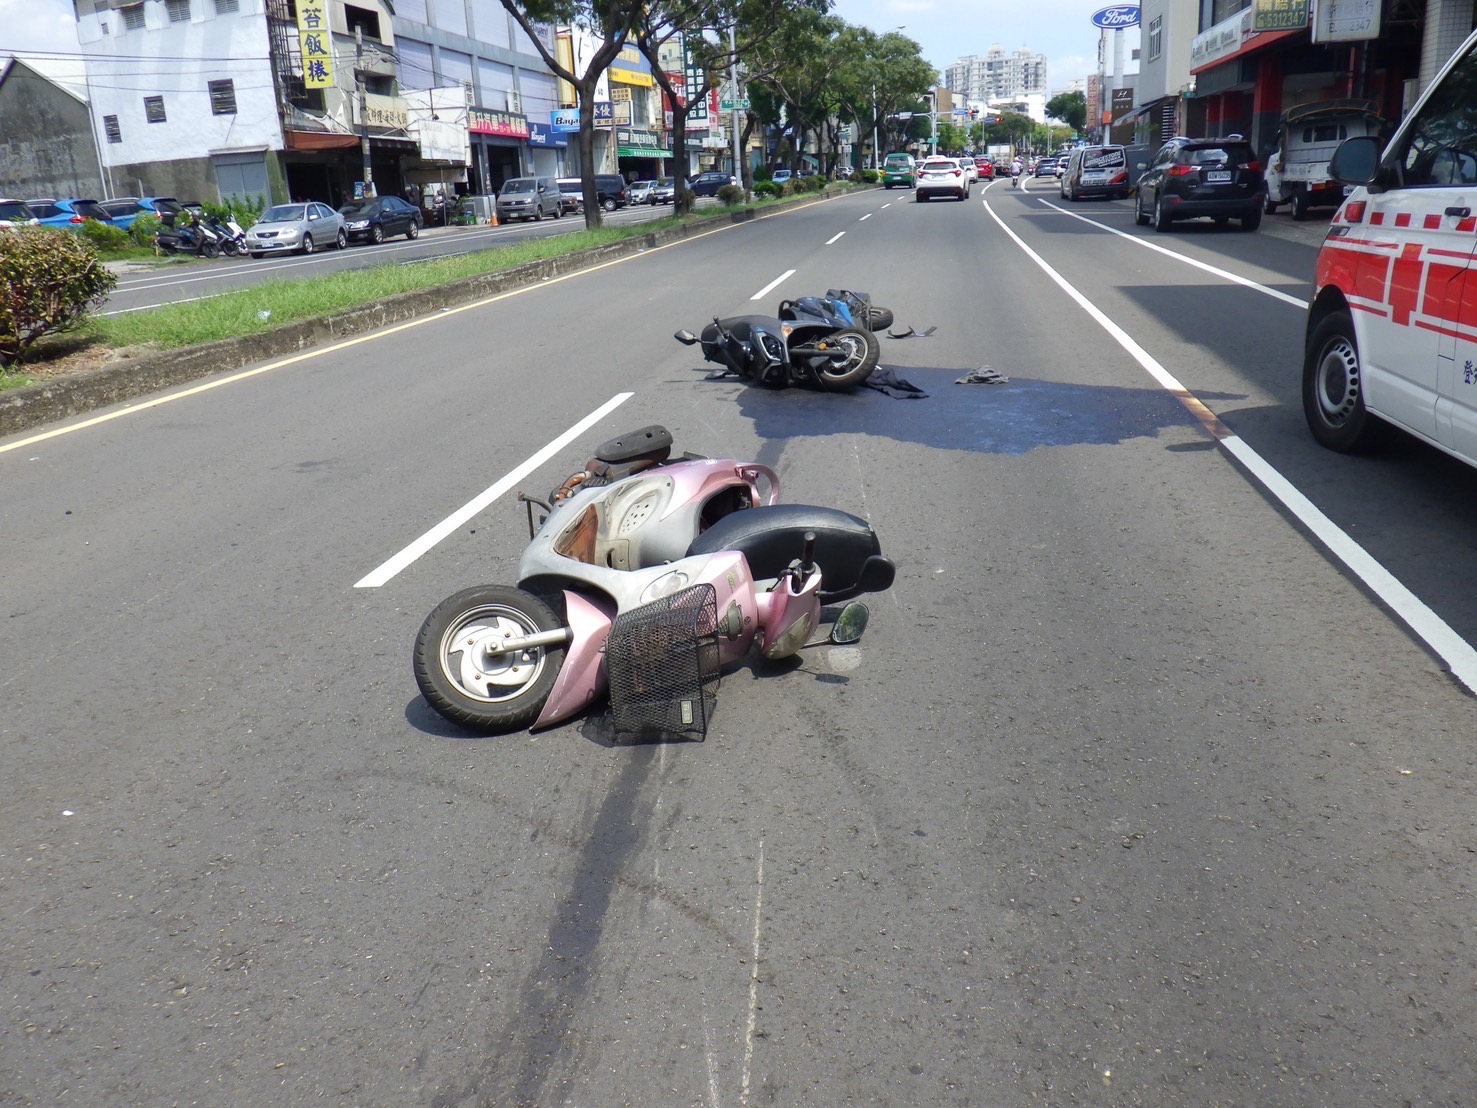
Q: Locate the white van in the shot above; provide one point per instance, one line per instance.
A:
(1095, 171)
(1392, 328)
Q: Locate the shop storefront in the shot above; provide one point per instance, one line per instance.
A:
(499, 141)
(547, 148)
(641, 153)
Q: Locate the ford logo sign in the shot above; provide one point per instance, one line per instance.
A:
(1117, 17)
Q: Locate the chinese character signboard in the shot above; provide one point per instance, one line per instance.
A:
(1280, 15)
(694, 78)
(1345, 20)
(316, 41)
(486, 121)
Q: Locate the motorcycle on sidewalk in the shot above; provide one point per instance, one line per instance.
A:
(645, 578)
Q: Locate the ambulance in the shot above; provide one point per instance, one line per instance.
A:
(1392, 328)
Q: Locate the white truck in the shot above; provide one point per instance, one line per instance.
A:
(1297, 171)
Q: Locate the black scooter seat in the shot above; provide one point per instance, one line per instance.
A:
(770, 538)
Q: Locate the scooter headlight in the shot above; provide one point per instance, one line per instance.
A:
(664, 586)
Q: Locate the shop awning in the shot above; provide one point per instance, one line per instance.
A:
(320, 140)
(641, 152)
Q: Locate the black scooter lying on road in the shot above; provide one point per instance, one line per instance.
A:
(821, 342)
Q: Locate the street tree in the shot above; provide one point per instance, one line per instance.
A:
(609, 23)
(715, 34)
(1070, 108)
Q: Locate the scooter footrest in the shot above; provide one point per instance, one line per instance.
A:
(662, 663)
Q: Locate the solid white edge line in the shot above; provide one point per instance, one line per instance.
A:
(398, 562)
(833, 238)
(1226, 275)
(762, 293)
(1430, 628)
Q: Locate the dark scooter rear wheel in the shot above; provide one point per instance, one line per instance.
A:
(466, 683)
(862, 352)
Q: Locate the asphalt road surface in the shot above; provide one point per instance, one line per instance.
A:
(1148, 784)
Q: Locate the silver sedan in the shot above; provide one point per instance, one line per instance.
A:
(293, 228)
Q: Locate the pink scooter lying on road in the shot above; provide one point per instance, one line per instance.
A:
(646, 577)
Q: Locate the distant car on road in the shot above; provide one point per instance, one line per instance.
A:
(985, 168)
(663, 191)
(941, 177)
(1046, 167)
(640, 191)
(898, 169)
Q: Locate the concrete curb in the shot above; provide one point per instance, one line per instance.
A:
(149, 371)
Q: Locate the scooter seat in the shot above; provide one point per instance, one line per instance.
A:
(770, 538)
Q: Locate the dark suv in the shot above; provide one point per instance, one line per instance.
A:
(709, 182)
(1215, 177)
(610, 190)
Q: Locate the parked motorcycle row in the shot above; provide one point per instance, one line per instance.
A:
(204, 236)
(647, 575)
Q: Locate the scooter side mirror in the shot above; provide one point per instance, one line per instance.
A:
(686, 337)
(850, 624)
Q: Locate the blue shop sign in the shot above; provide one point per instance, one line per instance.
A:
(541, 134)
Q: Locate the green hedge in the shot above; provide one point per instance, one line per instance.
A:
(48, 281)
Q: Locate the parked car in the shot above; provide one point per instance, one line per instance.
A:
(15, 213)
(1307, 136)
(67, 214)
(570, 203)
(530, 198)
(843, 173)
(1095, 171)
(610, 190)
(663, 191)
(899, 169)
(1045, 167)
(639, 192)
(709, 182)
(124, 210)
(780, 176)
(986, 169)
(290, 228)
(1216, 177)
(1379, 351)
(375, 218)
(941, 177)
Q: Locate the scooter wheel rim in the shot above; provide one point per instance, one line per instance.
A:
(489, 678)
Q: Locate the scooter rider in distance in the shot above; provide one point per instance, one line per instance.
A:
(1017, 171)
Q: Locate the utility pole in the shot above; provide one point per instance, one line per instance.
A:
(363, 109)
(738, 169)
(876, 150)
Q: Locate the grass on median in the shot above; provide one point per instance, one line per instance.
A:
(262, 307)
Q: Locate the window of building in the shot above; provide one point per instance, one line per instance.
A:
(223, 97)
(361, 19)
(133, 17)
(227, 7)
(179, 10)
(154, 109)
(111, 128)
(1156, 37)
(376, 83)
(413, 62)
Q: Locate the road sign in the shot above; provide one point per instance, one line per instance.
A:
(740, 105)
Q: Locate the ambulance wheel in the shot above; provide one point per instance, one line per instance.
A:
(1333, 387)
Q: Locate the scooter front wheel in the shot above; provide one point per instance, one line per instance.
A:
(468, 681)
(878, 319)
(862, 352)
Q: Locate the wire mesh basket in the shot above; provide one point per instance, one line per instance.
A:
(662, 662)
